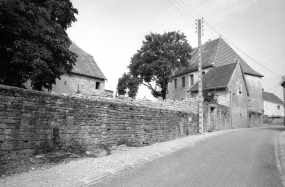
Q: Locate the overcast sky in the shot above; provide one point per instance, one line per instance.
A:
(113, 30)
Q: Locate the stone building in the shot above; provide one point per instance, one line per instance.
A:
(218, 54)
(86, 77)
(228, 82)
(273, 106)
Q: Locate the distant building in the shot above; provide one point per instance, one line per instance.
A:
(273, 106)
(86, 76)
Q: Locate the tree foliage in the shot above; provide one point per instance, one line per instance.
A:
(34, 44)
(210, 97)
(155, 61)
(128, 85)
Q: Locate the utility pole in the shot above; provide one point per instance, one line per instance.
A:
(200, 96)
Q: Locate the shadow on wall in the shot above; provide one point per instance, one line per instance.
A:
(216, 117)
(255, 119)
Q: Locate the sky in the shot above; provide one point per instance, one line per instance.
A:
(113, 30)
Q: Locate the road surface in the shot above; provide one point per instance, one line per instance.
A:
(236, 159)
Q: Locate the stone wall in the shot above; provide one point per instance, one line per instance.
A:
(217, 117)
(255, 119)
(273, 120)
(32, 121)
(35, 122)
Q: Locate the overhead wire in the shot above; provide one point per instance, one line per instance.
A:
(197, 15)
(217, 32)
(194, 17)
(272, 87)
(180, 12)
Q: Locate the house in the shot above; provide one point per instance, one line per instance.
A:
(217, 54)
(282, 83)
(228, 81)
(273, 106)
(86, 76)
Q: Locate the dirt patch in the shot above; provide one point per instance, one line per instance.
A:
(11, 164)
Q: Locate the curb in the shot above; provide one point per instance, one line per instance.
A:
(280, 155)
(101, 175)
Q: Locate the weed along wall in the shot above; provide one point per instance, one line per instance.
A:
(32, 121)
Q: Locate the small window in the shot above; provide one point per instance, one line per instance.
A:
(240, 89)
(191, 80)
(97, 85)
(278, 107)
(183, 82)
(175, 83)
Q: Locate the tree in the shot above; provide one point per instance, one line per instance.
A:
(155, 61)
(210, 97)
(34, 44)
(128, 84)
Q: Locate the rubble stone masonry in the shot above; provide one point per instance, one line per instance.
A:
(35, 122)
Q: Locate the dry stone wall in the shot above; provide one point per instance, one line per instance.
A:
(32, 121)
(217, 117)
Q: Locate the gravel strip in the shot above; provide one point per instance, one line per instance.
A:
(64, 174)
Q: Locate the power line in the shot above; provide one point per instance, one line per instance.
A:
(271, 78)
(242, 51)
(195, 17)
(253, 59)
(195, 12)
(210, 26)
(188, 6)
(273, 87)
(181, 12)
(275, 90)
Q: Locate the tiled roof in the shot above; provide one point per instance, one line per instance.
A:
(282, 83)
(272, 98)
(217, 78)
(85, 64)
(217, 53)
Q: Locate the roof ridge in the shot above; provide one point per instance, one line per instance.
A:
(271, 97)
(216, 52)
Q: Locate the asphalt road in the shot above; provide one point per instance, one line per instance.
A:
(239, 158)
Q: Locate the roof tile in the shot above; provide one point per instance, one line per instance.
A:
(85, 63)
(272, 98)
(218, 77)
(219, 53)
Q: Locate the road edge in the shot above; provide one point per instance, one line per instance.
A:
(280, 155)
(91, 179)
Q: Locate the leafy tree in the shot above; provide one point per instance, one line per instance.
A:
(128, 84)
(34, 44)
(154, 62)
(210, 97)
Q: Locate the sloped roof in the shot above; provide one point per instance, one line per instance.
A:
(272, 98)
(282, 83)
(216, 78)
(217, 53)
(85, 64)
